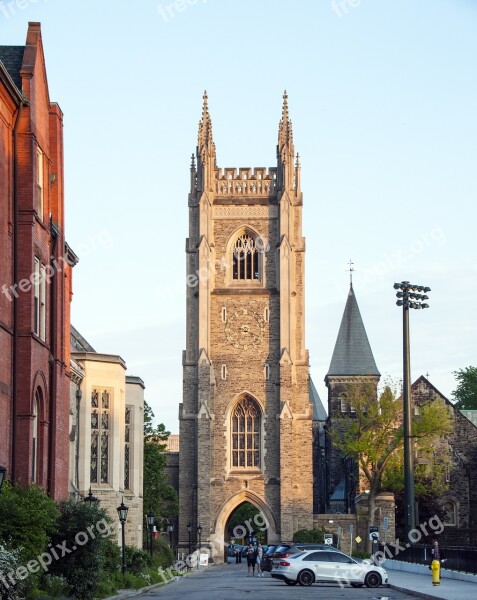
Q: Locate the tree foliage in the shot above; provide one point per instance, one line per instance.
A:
(27, 519)
(374, 438)
(82, 546)
(310, 536)
(158, 497)
(466, 392)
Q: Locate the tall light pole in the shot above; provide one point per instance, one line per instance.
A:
(123, 515)
(409, 296)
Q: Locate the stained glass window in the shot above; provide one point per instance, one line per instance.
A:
(100, 428)
(246, 434)
(127, 446)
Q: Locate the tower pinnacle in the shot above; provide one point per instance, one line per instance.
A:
(285, 132)
(205, 125)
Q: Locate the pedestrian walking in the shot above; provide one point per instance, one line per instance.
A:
(251, 560)
(259, 559)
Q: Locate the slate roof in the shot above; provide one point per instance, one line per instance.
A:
(319, 412)
(352, 354)
(12, 58)
(78, 342)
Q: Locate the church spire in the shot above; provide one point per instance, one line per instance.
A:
(285, 130)
(352, 354)
(205, 148)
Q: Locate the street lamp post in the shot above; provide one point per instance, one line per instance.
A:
(189, 529)
(170, 529)
(199, 533)
(409, 296)
(150, 523)
(123, 515)
(90, 499)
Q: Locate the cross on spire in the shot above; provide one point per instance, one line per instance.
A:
(351, 269)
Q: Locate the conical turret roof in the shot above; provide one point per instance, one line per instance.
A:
(352, 354)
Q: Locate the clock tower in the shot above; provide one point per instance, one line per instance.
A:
(246, 416)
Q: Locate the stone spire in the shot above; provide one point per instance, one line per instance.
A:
(352, 354)
(285, 130)
(204, 138)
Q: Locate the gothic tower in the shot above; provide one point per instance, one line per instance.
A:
(246, 416)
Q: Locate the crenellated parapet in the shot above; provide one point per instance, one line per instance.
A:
(259, 181)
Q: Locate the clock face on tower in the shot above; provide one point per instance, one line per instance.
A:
(244, 329)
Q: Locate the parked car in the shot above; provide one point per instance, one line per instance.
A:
(325, 566)
(266, 564)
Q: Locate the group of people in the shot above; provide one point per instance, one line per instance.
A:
(254, 556)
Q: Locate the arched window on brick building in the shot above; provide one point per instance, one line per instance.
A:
(246, 259)
(37, 401)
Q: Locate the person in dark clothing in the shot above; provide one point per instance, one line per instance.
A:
(251, 560)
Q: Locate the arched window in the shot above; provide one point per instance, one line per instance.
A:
(246, 258)
(451, 513)
(34, 447)
(246, 417)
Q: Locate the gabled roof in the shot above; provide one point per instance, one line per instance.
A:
(352, 354)
(12, 58)
(78, 342)
(319, 412)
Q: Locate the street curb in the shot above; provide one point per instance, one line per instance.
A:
(423, 595)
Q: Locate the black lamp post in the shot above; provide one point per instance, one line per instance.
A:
(150, 522)
(123, 515)
(3, 472)
(90, 499)
(170, 529)
(199, 533)
(409, 296)
(189, 529)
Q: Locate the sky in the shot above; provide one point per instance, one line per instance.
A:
(383, 98)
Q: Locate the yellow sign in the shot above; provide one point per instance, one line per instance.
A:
(358, 539)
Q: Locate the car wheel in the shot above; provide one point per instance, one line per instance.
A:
(356, 585)
(306, 577)
(290, 582)
(372, 579)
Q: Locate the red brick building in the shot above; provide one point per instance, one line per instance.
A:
(35, 274)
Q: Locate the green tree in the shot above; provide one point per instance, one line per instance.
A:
(243, 521)
(28, 517)
(466, 392)
(373, 437)
(158, 497)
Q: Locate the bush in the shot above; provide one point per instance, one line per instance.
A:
(83, 530)
(137, 560)
(9, 562)
(310, 536)
(55, 586)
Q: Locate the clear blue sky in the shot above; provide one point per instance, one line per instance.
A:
(383, 97)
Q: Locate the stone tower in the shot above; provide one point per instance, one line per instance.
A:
(246, 416)
(352, 363)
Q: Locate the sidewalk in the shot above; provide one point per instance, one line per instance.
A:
(420, 585)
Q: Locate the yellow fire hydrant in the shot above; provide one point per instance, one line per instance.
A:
(436, 572)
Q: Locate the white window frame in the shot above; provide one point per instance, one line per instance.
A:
(39, 182)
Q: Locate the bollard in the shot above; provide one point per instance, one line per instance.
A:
(436, 572)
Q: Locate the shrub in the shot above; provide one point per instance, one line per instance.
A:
(310, 536)
(9, 563)
(137, 560)
(83, 530)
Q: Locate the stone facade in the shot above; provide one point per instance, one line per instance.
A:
(245, 347)
(106, 435)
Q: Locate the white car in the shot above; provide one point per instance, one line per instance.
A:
(325, 566)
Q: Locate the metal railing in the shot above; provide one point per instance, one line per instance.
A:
(455, 558)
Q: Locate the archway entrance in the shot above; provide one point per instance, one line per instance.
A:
(259, 516)
(245, 525)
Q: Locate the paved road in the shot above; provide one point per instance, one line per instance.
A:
(230, 582)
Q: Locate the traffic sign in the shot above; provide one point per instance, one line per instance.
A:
(328, 538)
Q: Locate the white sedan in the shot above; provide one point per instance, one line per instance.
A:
(325, 566)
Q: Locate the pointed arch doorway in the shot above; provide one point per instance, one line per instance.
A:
(261, 520)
